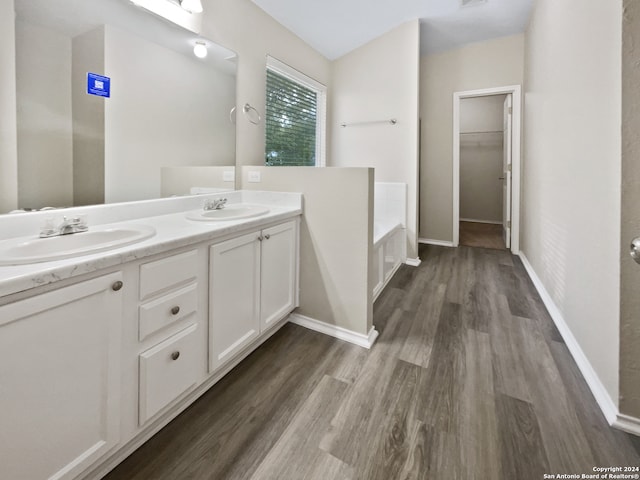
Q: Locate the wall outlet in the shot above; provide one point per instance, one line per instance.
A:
(228, 176)
(255, 176)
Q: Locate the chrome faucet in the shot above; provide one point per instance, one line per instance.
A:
(68, 226)
(215, 204)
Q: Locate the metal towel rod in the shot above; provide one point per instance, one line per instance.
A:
(391, 121)
(246, 109)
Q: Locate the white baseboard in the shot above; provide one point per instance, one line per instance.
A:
(439, 243)
(359, 339)
(627, 424)
(414, 262)
(475, 220)
(605, 402)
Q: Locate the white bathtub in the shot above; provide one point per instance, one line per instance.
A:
(389, 233)
(389, 245)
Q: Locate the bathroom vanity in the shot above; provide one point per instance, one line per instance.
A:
(100, 351)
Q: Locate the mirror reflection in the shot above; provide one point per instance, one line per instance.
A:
(158, 125)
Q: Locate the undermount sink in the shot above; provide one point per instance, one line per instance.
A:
(24, 250)
(228, 213)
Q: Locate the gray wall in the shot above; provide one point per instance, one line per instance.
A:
(570, 231)
(494, 63)
(363, 91)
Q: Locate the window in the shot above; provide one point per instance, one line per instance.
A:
(295, 117)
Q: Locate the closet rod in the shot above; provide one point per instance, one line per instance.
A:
(475, 133)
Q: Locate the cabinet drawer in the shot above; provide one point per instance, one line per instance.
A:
(167, 272)
(166, 310)
(166, 371)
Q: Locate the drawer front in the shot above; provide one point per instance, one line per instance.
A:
(166, 371)
(166, 310)
(167, 272)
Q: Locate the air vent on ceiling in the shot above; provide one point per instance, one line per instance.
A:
(471, 3)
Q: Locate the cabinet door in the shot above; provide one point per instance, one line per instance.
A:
(278, 273)
(167, 371)
(60, 380)
(234, 296)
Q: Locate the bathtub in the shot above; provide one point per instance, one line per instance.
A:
(389, 233)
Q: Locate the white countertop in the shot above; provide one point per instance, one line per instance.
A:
(173, 230)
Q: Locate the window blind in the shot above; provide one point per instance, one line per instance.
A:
(290, 122)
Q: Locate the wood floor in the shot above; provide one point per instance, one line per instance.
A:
(485, 235)
(469, 379)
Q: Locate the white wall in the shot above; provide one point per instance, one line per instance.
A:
(43, 71)
(178, 119)
(494, 63)
(183, 180)
(336, 240)
(8, 133)
(481, 158)
(242, 26)
(379, 81)
(571, 179)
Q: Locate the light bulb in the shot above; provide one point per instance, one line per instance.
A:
(193, 6)
(200, 50)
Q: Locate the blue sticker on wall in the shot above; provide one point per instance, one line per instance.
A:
(98, 85)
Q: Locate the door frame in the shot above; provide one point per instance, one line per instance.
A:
(516, 158)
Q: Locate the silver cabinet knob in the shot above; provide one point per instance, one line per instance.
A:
(267, 236)
(117, 286)
(260, 238)
(175, 355)
(635, 249)
(175, 310)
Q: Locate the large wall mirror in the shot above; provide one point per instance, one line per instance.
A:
(164, 130)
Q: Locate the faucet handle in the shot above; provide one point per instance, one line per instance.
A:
(77, 220)
(48, 229)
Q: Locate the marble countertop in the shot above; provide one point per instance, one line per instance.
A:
(173, 230)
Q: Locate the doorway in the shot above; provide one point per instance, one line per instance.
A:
(486, 168)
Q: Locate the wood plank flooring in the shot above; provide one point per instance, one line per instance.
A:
(484, 235)
(469, 379)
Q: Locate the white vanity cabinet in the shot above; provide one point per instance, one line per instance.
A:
(60, 379)
(278, 273)
(168, 316)
(252, 285)
(91, 370)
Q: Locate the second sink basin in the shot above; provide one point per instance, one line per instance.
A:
(21, 251)
(228, 213)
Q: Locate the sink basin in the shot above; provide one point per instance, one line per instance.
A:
(228, 213)
(24, 250)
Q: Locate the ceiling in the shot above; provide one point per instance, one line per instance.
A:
(335, 27)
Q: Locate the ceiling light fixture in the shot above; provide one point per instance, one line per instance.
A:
(193, 6)
(200, 49)
(172, 10)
